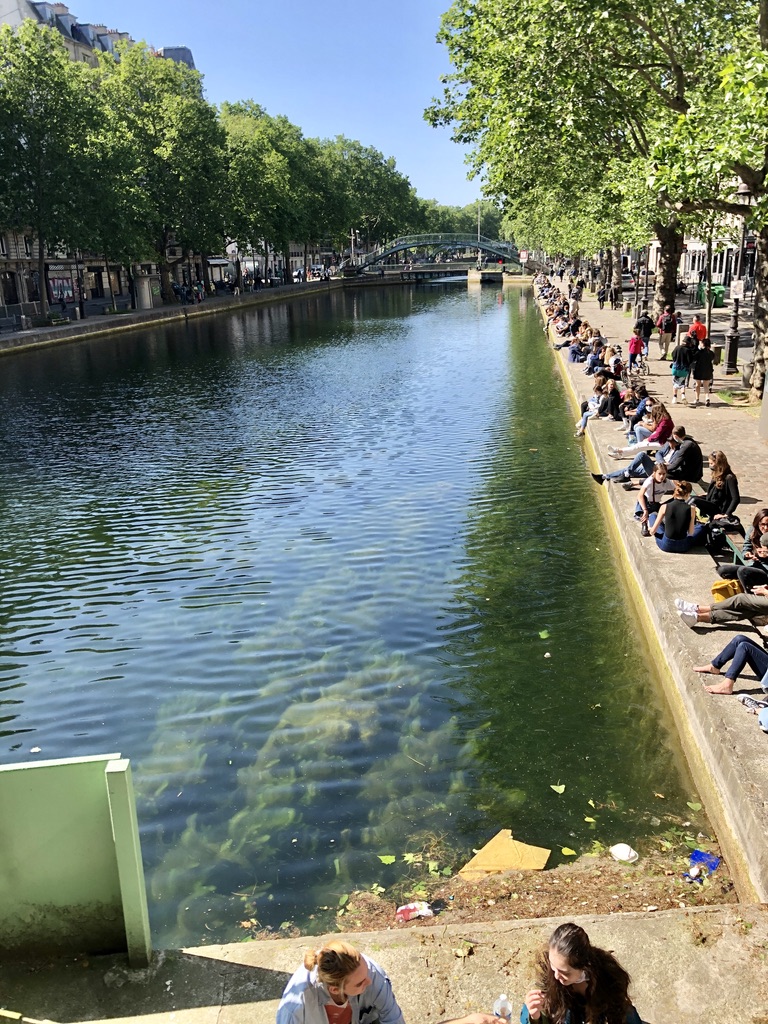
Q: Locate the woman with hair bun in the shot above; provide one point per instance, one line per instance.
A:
(338, 985)
(579, 984)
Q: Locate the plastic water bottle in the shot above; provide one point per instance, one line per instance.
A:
(502, 1008)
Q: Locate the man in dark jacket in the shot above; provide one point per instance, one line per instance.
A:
(644, 329)
(684, 459)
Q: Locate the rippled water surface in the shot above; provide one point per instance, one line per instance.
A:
(333, 576)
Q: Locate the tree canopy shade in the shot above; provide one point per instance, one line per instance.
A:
(46, 109)
(579, 95)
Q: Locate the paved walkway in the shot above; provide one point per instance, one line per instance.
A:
(725, 747)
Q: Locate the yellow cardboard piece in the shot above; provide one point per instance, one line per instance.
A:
(503, 853)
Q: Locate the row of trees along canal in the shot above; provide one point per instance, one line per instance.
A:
(119, 159)
(604, 123)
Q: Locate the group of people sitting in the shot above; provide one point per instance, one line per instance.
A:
(576, 982)
(666, 462)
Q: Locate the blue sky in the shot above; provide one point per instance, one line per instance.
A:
(361, 68)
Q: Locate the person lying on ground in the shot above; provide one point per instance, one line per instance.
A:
(652, 436)
(674, 526)
(754, 572)
(338, 985)
(741, 652)
(578, 982)
(752, 606)
(722, 497)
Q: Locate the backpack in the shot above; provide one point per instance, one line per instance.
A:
(667, 323)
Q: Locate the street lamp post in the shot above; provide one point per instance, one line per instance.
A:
(732, 336)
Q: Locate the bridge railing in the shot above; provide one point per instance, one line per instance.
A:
(456, 239)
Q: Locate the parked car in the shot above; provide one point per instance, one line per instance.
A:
(627, 282)
(650, 274)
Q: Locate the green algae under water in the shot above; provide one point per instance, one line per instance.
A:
(333, 575)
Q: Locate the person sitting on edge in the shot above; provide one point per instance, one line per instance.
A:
(632, 418)
(681, 456)
(592, 406)
(640, 467)
(656, 487)
(338, 985)
(674, 526)
(610, 402)
(754, 571)
(752, 606)
(648, 437)
(667, 325)
(722, 497)
(741, 652)
(578, 982)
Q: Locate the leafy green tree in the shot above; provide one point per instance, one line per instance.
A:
(46, 109)
(720, 141)
(601, 83)
(157, 110)
(380, 201)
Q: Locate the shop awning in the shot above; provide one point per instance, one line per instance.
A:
(217, 261)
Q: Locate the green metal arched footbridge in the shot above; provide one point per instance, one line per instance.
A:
(438, 243)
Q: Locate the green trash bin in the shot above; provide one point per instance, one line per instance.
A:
(718, 296)
(701, 294)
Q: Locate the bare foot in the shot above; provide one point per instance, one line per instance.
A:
(707, 669)
(725, 687)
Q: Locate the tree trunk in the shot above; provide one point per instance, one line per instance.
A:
(42, 277)
(306, 261)
(708, 292)
(616, 262)
(287, 272)
(206, 274)
(109, 282)
(166, 289)
(760, 317)
(670, 237)
(131, 284)
(607, 266)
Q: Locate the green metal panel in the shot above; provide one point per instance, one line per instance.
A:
(125, 830)
(59, 880)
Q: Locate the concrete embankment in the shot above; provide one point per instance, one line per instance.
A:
(686, 966)
(109, 325)
(727, 752)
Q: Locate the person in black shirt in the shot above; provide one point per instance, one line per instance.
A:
(674, 526)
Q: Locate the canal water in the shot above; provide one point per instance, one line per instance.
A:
(332, 574)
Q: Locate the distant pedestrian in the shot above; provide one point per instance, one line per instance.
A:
(704, 370)
(601, 296)
(667, 326)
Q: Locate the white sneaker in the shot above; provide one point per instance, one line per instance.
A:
(674, 400)
(689, 618)
(694, 403)
(685, 606)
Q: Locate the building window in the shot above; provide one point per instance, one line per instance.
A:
(3, 249)
(27, 245)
